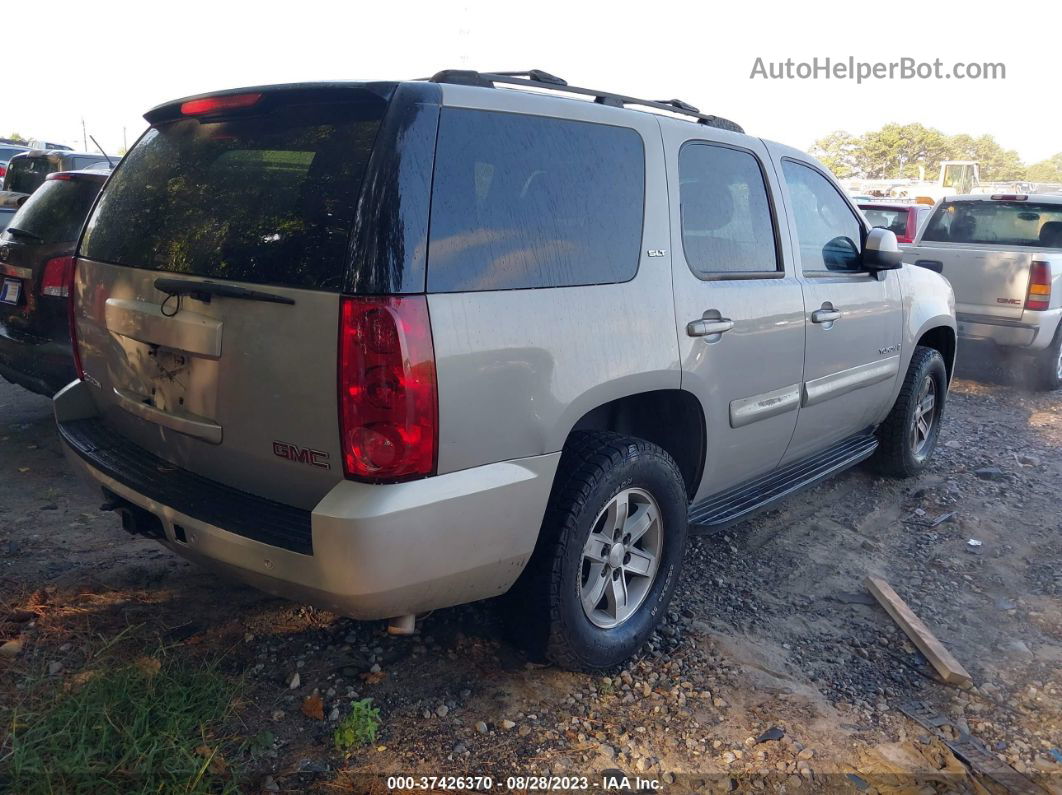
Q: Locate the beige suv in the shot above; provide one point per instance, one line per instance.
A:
(388, 347)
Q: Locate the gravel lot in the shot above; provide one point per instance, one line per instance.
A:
(771, 628)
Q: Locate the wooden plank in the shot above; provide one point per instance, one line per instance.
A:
(940, 658)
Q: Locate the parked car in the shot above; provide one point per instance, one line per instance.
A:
(10, 201)
(26, 171)
(36, 259)
(1003, 256)
(7, 151)
(37, 143)
(903, 220)
(389, 347)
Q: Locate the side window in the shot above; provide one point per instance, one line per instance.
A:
(527, 201)
(726, 215)
(828, 231)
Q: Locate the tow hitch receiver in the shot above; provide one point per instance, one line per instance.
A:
(135, 520)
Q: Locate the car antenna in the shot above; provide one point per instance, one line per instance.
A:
(109, 162)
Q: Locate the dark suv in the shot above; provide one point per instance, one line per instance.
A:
(36, 257)
(26, 171)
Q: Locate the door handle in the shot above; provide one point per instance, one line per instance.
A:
(825, 316)
(705, 328)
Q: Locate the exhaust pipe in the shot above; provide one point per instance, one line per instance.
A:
(402, 625)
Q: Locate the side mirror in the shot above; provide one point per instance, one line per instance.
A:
(882, 252)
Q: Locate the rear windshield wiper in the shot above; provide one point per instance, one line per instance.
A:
(204, 291)
(23, 233)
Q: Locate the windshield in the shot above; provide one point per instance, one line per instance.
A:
(268, 198)
(1018, 223)
(56, 212)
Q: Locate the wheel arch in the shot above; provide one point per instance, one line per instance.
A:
(943, 340)
(672, 419)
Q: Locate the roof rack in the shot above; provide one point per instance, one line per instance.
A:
(536, 78)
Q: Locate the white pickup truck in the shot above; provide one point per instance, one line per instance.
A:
(1003, 257)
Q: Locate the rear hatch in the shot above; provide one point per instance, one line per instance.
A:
(986, 248)
(35, 252)
(209, 281)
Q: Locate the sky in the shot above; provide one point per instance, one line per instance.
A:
(141, 54)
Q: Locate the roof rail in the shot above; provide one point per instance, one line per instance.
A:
(536, 78)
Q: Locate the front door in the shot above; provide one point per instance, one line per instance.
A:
(740, 317)
(854, 317)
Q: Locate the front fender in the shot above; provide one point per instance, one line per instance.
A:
(928, 303)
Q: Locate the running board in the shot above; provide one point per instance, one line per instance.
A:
(743, 500)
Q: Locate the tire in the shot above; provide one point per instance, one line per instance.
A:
(1048, 364)
(598, 472)
(901, 452)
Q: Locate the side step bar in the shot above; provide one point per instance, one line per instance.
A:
(741, 501)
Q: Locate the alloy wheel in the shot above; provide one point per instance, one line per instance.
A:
(621, 558)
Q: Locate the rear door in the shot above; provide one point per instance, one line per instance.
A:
(208, 287)
(985, 247)
(739, 313)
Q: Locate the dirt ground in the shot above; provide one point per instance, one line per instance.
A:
(771, 628)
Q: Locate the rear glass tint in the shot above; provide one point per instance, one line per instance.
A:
(57, 211)
(268, 198)
(997, 223)
(26, 174)
(891, 218)
(526, 201)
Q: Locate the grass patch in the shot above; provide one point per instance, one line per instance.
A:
(141, 727)
(359, 727)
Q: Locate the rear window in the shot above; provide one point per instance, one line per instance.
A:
(26, 174)
(7, 152)
(526, 201)
(57, 211)
(891, 218)
(268, 198)
(1032, 224)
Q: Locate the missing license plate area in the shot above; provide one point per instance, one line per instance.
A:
(10, 291)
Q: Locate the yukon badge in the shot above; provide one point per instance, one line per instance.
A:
(301, 455)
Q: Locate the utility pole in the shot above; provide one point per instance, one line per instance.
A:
(84, 136)
(125, 143)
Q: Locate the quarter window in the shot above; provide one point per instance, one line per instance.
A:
(828, 232)
(526, 201)
(726, 215)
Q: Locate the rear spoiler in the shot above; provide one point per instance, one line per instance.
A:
(285, 93)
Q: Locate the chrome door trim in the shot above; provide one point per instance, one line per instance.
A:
(845, 381)
(746, 411)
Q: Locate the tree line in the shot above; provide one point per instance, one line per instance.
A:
(897, 150)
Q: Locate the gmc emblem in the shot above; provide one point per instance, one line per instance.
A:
(301, 455)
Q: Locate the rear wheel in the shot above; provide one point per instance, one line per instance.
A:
(1049, 364)
(909, 434)
(609, 553)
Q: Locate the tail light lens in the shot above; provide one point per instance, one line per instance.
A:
(57, 277)
(388, 398)
(72, 317)
(3, 171)
(201, 107)
(1039, 296)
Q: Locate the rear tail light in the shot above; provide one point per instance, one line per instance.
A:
(60, 176)
(200, 107)
(1039, 297)
(72, 317)
(57, 277)
(388, 398)
(3, 171)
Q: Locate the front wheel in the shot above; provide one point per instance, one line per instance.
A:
(609, 554)
(909, 434)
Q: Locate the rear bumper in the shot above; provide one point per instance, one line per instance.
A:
(377, 550)
(40, 365)
(1033, 330)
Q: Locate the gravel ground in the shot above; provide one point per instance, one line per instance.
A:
(770, 629)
